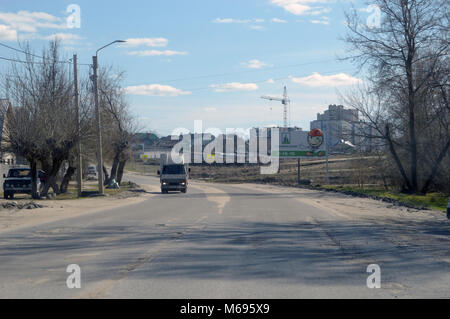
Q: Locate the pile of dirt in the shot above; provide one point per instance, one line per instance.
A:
(133, 185)
(17, 205)
(134, 190)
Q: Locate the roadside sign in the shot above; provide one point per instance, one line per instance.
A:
(301, 144)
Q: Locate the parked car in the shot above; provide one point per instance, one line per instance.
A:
(18, 181)
(92, 172)
(92, 169)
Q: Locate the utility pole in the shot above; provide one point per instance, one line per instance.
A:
(77, 108)
(98, 119)
(298, 171)
(99, 131)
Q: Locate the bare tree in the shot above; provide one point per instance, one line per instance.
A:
(118, 123)
(21, 137)
(403, 58)
(39, 125)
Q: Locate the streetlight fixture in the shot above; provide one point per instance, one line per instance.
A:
(98, 119)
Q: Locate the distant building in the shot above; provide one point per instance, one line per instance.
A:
(343, 129)
(142, 141)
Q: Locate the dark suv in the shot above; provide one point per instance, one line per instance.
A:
(18, 181)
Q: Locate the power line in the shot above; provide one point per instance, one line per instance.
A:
(18, 61)
(18, 50)
(182, 79)
(276, 79)
(31, 54)
(37, 62)
(242, 72)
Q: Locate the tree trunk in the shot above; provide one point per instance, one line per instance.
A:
(412, 119)
(105, 174)
(435, 168)
(51, 179)
(396, 158)
(114, 168)
(34, 177)
(67, 177)
(120, 171)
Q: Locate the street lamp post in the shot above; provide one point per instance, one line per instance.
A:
(98, 118)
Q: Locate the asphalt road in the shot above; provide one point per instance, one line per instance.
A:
(225, 241)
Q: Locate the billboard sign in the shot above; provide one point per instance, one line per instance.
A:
(301, 144)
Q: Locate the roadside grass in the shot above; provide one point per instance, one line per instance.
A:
(436, 201)
(139, 167)
(72, 192)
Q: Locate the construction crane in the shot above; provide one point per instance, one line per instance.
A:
(285, 101)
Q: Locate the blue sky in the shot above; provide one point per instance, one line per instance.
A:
(201, 59)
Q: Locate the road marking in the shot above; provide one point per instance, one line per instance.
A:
(211, 195)
(326, 208)
(38, 281)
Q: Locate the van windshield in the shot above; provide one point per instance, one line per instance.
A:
(174, 169)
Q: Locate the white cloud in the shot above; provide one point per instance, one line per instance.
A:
(317, 80)
(230, 20)
(26, 21)
(234, 86)
(368, 9)
(319, 10)
(270, 81)
(157, 53)
(7, 34)
(276, 20)
(155, 90)
(29, 23)
(240, 21)
(299, 7)
(256, 27)
(149, 42)
(321, 20)
(255, 64)
(210, 109)
(67, 38)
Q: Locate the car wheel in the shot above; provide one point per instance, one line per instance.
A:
(183, 190)
(5, 195)
(11, 195)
